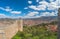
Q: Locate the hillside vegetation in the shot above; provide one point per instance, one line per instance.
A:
(37, 32)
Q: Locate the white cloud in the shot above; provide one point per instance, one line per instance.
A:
(31, 17)
(52, 6)
(43, 3)
(15, 17)
(58, 6)
(16, 12)
(49, 14)
(30, 2)
(26, 8)
(39, 7)
(33, 7)
(37, 0)
(30, 14)
(51, 0)
(58, 1)
(6, 9)
(2, 15)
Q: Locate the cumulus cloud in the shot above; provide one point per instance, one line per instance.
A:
(6, 9)
(37, 0)
(58, 1)
(3, 16)
(44, 5)
(16, 12)
(26, 8)
(39, 7)
(51, 0)
(33, 7)
(31, 17)
(43, 2)
(48, 14)
(30, 14)
(30, 2)
(53, 5)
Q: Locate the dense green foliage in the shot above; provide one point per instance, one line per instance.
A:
(35, 32)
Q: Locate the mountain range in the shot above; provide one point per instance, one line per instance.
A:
(33, 21)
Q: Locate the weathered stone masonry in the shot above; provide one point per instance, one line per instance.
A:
(8, 31)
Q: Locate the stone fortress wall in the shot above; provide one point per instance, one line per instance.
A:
(8, 31)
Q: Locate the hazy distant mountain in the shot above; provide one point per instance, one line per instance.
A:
(41, 18)
(35, 21)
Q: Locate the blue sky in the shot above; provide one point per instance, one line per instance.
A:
(28, 8)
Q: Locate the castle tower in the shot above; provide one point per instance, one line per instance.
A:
(20, 25)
